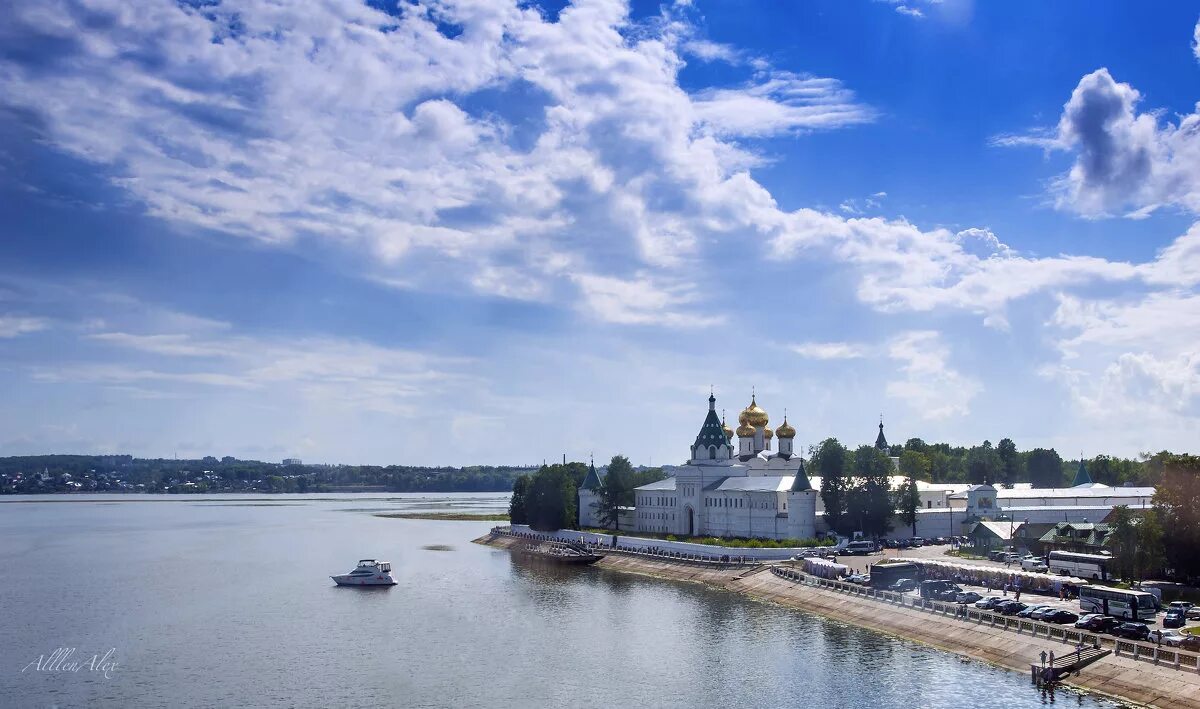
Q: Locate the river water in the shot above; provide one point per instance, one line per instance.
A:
(227, 601)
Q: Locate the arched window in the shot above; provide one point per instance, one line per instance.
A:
(712, 452)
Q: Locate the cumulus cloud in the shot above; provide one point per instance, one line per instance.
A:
(1132, 359)
(1196, 41)
(930, 386)
(341, 123)
(1126, 161)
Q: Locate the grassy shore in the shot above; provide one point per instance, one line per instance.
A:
(456, 516)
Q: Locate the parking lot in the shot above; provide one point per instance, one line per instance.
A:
(861, 564)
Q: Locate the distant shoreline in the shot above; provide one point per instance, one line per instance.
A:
(106, 496)
(456, 516)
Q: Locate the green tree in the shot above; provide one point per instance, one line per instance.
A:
(616, 491)
(872, 491)
(516, 505)
(1151, 556)
(916, 444)
(914, 465)
(1010, 461)
(1044, 467)
(940, 466)
(983, 464)
(552, 498)
(1177, 502)
(829, 461)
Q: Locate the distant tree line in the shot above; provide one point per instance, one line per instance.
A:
(45, 473)
(1003, 464)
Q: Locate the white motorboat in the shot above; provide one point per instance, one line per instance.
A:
(368, 573)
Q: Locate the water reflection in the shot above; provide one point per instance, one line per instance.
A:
(214, 605)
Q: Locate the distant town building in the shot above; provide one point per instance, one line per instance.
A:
(292, 461)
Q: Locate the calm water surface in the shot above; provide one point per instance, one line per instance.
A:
(228, 602)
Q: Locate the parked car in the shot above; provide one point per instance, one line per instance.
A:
(1086, 618)
(1033, 563)
(861, 548)
(1170, 638)
(1060, 616)
(1031, 610)
(1041, 613)
(1011, 607)
(902, 585)
(860, 579)
(996, 555)
(1190, 611)
(967, 597)
(1100, 623)
(916, 542)
(1190, 642)
(1174, 618)
(990, 602)
(1131, 631)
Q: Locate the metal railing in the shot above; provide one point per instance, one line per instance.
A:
(721, 562)
(1144, 652)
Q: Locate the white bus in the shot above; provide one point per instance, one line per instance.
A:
(1085, 566)
(1116, 602)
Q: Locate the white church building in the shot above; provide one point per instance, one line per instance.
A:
(752, 491)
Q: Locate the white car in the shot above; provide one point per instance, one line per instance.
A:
(1033, 563)
(1170, 638)
(1190, 611)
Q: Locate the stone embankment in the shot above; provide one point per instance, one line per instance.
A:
(1167, 683)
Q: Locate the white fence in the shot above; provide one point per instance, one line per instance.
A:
(625, 542)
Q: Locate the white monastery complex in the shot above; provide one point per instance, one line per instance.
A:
(749, 490)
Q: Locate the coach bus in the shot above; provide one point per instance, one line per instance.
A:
(1119, 603)
(1084, 566)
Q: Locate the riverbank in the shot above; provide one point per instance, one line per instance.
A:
(1119, 677)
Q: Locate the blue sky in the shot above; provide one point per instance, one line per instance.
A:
(476, 231)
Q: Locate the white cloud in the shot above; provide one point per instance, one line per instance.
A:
(930, 387)
(344, 124)
(830, 350)
(1196, 41)
(911, 11)
(1127, 162)
(779, 102)
(709, 51)
(15, 326)
(342, 373)
(643, 301)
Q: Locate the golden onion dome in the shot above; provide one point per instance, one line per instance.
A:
(785, 430)
(753, 415)
(768, 434)
(745, 430)
(728, 431)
